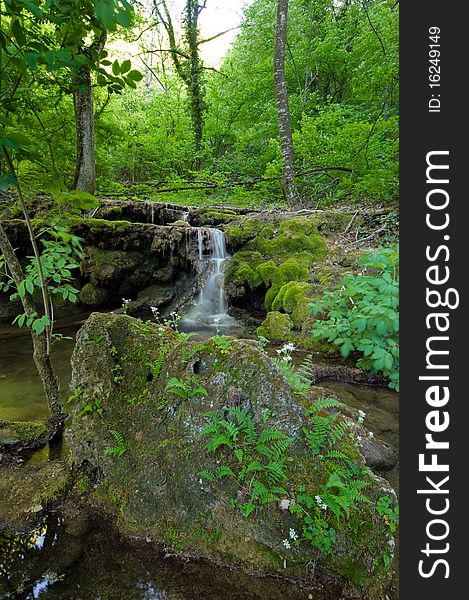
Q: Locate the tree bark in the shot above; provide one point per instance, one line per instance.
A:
(195, 73)
(85, 170)
(188, 64)
(41, 357)
(290, 189)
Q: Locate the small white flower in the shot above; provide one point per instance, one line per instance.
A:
(160, 328)
(217, 320)
(362, 413)
(287, 359)
(287, 544)
(278, 351)
(324, 506)
(371, 434)
(359, 438)
(293, 535)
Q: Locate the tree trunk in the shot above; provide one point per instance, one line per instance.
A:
(48, 376)
(290, 190)
(85, 170)
(195, 74)
(188, 65)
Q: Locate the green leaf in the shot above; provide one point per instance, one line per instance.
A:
(18, 32)
(116, 69)
(135, 75)
(7, 180)
(125, 66)
(29, 286)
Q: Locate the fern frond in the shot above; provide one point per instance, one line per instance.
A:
(219, 440)
(270, 435)
(224, 471)
(254, 467)
(325, 404)
(275, 472)
(208, 475)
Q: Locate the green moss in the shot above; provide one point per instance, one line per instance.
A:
(298, 235)
(276, 255)
(277, 326)
(217, 216)
(54, 489)
(100, 225)
(293, 298)
(84, 484)
(93, 295)
(29, 431)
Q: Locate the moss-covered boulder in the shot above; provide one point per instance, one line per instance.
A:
(92, 295)
(289, 259)
(143, 393)
(276, 326)
(27, 491)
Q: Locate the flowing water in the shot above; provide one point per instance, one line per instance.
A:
(210, 309)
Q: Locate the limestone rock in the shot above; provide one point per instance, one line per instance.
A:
(146, 445)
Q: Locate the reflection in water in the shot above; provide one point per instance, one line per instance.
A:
(21, 391)
(85, 560)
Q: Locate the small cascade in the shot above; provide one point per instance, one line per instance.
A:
(210, 308)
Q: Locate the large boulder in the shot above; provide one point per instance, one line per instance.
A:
(143, 392)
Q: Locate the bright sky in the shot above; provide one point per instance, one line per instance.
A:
(220, 15)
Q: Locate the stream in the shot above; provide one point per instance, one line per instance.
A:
(83, 557)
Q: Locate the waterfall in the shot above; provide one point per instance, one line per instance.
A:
(210, 308)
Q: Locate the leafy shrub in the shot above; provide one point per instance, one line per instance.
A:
(363, 315)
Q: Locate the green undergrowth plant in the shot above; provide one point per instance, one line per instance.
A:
(92, 406)
(363, 315)
(185, 389)
(388, 511)
(120, 448)
(255, 460)
(300, 378)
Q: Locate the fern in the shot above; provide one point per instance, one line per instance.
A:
(120, 448)
(306, 369)
(255, 460)
(325, 404)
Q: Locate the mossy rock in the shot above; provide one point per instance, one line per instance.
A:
(93, 296)
(153, 487)
(212, 217)
(276, 326)
(26, 492)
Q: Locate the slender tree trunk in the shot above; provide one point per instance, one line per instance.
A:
(195, 74)
(40, 354)
(290, 190)
(188, 64)
(85, 170)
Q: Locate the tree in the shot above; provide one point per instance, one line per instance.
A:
(290, 189)
(85, 166)
(47, 38)
(187, 61)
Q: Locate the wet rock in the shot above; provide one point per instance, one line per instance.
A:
(155, 295)
(93, 296)
(26, 491)
(377, 454)
(146, 443)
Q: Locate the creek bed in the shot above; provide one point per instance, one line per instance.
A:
(50, 563)
(53, 562)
